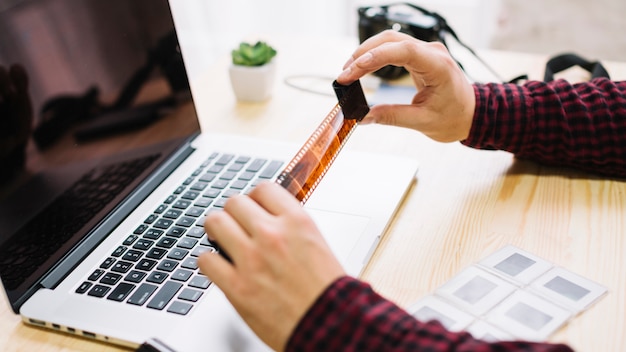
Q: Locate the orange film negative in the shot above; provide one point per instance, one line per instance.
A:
(308, 167)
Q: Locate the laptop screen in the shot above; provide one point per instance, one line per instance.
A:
(88, 89)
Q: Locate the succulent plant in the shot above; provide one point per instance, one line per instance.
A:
(253, 55)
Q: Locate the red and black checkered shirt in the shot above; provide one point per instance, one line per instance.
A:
(350, 316)
(557, 123)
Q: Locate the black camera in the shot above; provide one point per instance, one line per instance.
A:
(402, 17)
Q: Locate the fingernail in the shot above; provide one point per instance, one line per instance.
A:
(367, 120)
(345, 74)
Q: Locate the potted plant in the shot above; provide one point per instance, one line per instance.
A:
(252, 71)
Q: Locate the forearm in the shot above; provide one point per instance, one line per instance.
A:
(350, 316)
(556, 123)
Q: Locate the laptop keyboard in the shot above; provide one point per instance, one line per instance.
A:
(55, 225)
(156, 265)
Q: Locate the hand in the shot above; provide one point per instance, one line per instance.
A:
(280, 261)
(16, 117)
(442, 109)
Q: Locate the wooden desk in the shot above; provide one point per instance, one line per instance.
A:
(465, 205)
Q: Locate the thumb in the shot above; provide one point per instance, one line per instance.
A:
(409, 116)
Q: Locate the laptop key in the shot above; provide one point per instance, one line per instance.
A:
(153, 234)
(211, 193)
(143, 244)
(194, 211)
(185, 221)
(181, 204)
(177, 253)
(201, 249)
(135, 276)
(256, 165)
(165, 295)
(271, 169)
(142, 294)
(200, 281)
(110, 278)
(179, 307)
(99, 291)
(224, 159)
(181, 275)
(83, 287)
(166, 242)
(186, 243)
(176, 231)
(160, 209)
(167, 265)
(190, 263)
(118, 251)
(191, 295)
(157, 277)
(150, 219)
(203, 202)
(130, 240)
(170, 200)
(140, 229)
(146, 264)
(163, 223)
(96, 275)
(107, 263)
(172, 214)
(195, 232)
(121, 267)
(156, 253)
(132, 255)
(121, 292)
(191, 195)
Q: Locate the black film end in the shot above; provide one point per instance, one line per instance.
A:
(352, 100)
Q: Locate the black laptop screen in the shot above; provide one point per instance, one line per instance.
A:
(88, 88)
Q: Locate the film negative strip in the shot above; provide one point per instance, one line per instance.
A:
(308, 167)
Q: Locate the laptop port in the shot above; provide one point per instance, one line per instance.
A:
(37, 322)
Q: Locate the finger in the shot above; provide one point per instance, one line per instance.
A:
(216, 268)
(227, 233)
(374, 41)
(409, 116)
(274, 198)
(263, 203)
(416, 56)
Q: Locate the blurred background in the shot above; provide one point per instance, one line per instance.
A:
(591, 29)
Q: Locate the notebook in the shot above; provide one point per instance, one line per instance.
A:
(101, 210)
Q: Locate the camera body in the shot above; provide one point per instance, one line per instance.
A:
(403, 17)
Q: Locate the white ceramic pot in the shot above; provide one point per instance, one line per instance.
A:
(253, 83)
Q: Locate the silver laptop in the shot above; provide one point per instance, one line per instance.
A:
(101, 211)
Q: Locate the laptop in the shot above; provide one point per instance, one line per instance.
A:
(101, 209)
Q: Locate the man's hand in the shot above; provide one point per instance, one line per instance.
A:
(280, 261)
(442, 109)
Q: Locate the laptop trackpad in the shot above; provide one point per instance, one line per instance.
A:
(344, 233)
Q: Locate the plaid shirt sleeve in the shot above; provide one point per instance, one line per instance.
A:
(557, 123)
(350, 316)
